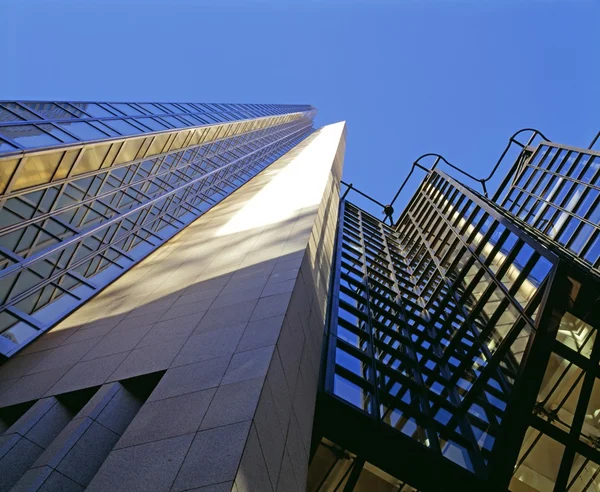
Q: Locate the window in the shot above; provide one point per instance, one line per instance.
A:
(83, 131)
(29, 136)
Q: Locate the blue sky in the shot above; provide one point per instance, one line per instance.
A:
(409, 77)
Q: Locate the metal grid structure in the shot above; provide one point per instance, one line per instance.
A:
(463, 338)
(557, 192)
(434, 318)
(29, 124)
(75, 217)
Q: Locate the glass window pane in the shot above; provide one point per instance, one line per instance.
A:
(591, 170)
(352, 363)
(6, 147)
(457, 453)
(594, 215)
(123, 127)
(152, 124)
(584, 476)
(29, 136)
(352, 393)
(76, 111)
(19, 333)
(152, 108)
(127, 109)
(174, 121)
(539, 462)
(83, 130)
(539, 271)
(58, 133)
(576, 334)
(94, 110)
(21, 111)
(580, 238)
(593, 250)
(49, 110)
(6, 115)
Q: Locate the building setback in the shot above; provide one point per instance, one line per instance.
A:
(189, 301)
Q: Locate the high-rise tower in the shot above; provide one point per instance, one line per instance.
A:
(188, 302)
(165, 274)
(462, 350)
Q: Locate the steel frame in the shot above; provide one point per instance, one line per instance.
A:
(425, 274)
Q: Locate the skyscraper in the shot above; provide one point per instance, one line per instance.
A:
(191, 301)
(164, 283)
(462, 350)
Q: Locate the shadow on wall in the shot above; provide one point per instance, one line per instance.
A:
(220, 287)
(162, 299)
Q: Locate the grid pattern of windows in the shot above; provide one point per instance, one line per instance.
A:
(557, 192)
(560, 450)
(29, 124)
(93, 211)
(433, 318)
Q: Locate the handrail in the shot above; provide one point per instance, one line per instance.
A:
(481, 181)
(388, 210)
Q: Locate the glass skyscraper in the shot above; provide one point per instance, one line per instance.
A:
(462, 339)
(191, 300)
(88, 189)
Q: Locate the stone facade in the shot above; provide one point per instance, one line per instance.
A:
(197, 369)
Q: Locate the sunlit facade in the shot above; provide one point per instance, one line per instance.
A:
(445, 326)
(163, 289)
(190, 300)
(88, 189)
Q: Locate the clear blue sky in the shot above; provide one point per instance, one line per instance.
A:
(409, 77)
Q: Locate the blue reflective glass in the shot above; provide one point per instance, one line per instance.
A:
(174, 121)
(50, 111)
(152, 123)
(7, 116)
(568, 231)
(29, 136)
(348, 336)
(594, 215)
(126, 109)
(58, 133)
(580, 238)
(457, 453)
(352, 393)
(6, 147)
(523, 256)
(539, 155)
(19, 333)
(152, 108)
(351, 363)
(540, 271)
(83, 130)
(590, 170)
(93, 109)
(593, 251)
(562, 192)
(586, 203)
(21, 111)
(123, 127)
